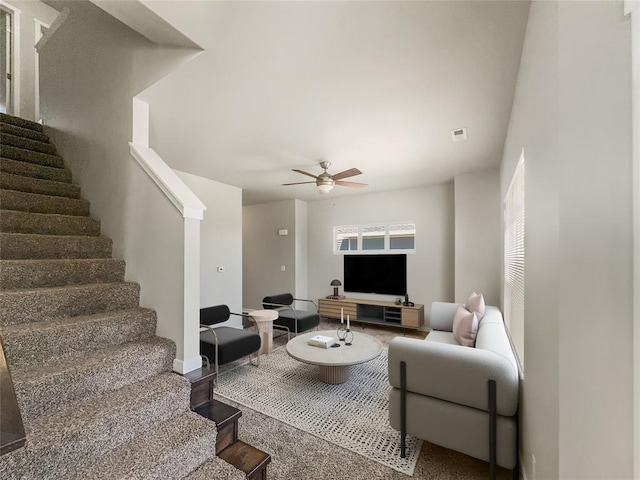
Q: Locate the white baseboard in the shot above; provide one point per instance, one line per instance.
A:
(186, 366)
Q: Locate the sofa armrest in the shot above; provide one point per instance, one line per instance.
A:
(454, 373)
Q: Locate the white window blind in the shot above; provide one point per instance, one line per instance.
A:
(514, 275)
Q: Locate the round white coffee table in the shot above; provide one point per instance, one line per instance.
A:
(334, 363)
(264, 319)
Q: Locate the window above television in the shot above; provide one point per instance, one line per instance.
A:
(399, 237)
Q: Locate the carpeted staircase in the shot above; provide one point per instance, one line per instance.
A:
(93, 382)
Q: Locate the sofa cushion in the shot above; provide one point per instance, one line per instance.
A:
(475, 303)
(441, 336)
(465, 327)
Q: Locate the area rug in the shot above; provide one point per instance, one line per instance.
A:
(352, 415)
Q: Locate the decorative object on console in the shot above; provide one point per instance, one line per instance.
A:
(406, 302)
(335, 283)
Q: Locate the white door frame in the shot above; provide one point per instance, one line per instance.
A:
(15, 57)
(39, 25)
(632, 8)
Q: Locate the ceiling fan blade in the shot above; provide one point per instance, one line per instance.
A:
(347, 173)
(295, 183)
(305, 173)
(351, 184)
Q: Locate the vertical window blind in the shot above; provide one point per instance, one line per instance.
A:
(514, 259)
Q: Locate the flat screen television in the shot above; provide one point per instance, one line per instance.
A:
(383, 274)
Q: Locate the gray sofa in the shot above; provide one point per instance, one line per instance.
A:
(448, 388)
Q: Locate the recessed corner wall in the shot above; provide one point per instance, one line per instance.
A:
(477, 238)
(264, 251)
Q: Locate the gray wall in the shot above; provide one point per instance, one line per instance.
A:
(264, 251)
(572, 114)
(91, 68)
(430, 271)
(478, 227)
(220, 244)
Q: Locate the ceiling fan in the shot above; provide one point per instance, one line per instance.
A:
(326, 181)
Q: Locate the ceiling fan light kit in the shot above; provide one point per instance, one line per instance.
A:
(325, 181)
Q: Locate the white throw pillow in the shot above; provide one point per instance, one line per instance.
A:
(475, 304)
(465, 327)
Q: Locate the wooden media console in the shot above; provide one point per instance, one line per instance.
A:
(373, 311)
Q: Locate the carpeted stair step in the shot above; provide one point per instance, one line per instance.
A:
(27, 169)
(59, 444)
(26, 274)
(16, 246)
(20, 122)
(15, 153)
(21, 183)
(218, 469)
(7, 139)
(15, 221)
(41, 304)
(47, 388)
(34, 202)
(23, 132)
(40, 342)
(171, 450)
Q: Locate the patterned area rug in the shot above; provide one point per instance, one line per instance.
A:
(353, 415)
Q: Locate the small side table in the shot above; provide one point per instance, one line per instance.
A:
(264, 319)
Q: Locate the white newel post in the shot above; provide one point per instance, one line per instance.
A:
(191, 326)
(632, 8)
(192, 211)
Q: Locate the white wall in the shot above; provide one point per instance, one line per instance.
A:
(478, 223)
(91, 68)
(264, 251)
(30, 10)
(572, 115)
(430, 271)
(220, 244)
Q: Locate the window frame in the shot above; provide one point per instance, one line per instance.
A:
(387, 239)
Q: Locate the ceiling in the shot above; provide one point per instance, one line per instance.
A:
(373, 85)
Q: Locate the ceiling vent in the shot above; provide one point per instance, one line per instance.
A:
(459, 134)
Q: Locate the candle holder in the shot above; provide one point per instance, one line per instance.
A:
(342, 333)
(348, 337)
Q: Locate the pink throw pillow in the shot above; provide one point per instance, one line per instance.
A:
(475, 304)
(465, 327)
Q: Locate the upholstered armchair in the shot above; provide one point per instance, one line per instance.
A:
(290, 318)
(222, 345)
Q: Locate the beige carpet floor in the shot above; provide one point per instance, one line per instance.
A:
(297, 455)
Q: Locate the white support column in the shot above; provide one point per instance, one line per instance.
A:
(191, 319)
(632, 8)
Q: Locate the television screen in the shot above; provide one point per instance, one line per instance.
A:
(383, 274)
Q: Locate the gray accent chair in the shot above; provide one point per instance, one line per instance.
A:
(291, 318)
(461, 398)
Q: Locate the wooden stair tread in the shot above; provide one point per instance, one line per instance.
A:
(245, 457)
